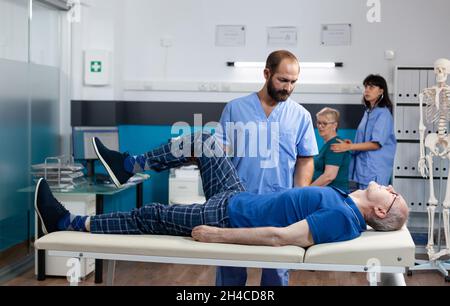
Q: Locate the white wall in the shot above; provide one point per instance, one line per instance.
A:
(132, 29)
(100, 28)
(14, 30)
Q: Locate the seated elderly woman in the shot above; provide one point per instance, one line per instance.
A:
(330, 168)
(299, 216)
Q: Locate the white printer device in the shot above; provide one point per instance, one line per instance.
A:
(185, 186)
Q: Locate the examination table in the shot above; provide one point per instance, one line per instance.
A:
(384, 256)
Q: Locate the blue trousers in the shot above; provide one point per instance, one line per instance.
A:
(237, 276)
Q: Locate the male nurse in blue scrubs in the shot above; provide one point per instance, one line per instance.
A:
(270, 139)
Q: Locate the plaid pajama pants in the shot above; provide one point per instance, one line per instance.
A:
(220, 182)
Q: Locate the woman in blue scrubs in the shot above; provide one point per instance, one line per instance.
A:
(374, 148)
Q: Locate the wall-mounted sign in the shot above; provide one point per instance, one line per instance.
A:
(97, 67)
(230, 35)
(337, 34)
(286, 36)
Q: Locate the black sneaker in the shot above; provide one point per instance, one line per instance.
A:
(49, 210)
(113, 162)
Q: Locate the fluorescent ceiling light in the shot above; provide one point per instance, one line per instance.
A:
(247, 64)
(320, 65)
(302, 64)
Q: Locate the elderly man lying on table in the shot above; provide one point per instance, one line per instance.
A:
(299, 216)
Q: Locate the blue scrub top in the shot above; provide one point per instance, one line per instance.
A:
(268, 169)
(366, 166)
(331, 214)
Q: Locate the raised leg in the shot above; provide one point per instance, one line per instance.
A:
(217, 171)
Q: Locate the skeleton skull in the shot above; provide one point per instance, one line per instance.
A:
(442, 70)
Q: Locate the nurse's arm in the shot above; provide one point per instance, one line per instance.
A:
(304, 171)
(365, 146)
(327, 177)
(345, 147)
(296, 234)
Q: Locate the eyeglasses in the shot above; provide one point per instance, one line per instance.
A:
(324, 123)
(393, 201)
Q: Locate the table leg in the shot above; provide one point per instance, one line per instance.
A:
(40, 254)
(99, 262)
(139, 195)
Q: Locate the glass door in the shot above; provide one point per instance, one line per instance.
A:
(30, 61)
(15, 231)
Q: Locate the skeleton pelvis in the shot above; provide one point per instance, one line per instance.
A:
(438, 145)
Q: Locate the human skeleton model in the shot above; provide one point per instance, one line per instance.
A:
(437, 100)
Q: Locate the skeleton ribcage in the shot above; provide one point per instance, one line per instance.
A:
(433, 111)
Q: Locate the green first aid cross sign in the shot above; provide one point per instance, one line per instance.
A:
(96, 66)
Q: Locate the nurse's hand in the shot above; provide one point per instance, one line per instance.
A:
(342, 146)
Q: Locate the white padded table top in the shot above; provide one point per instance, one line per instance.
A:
(389, 248)
(166, 246)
